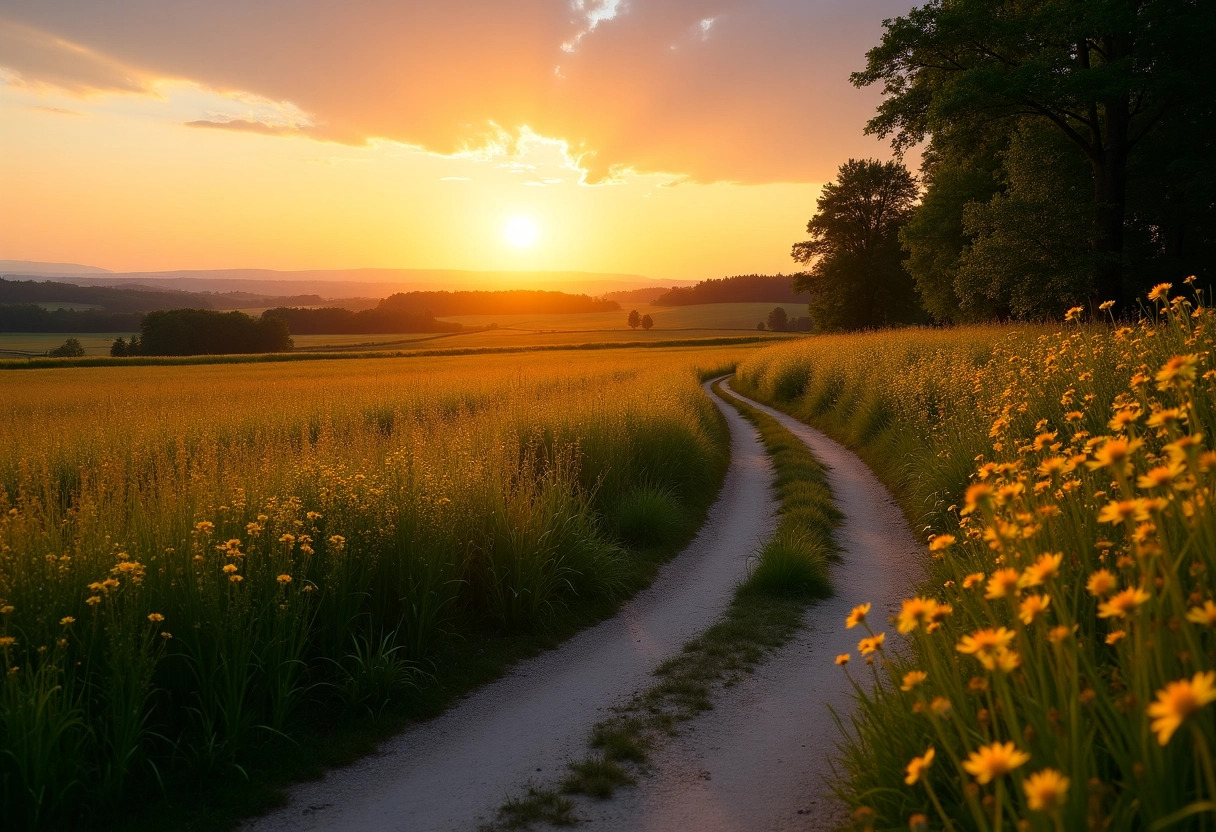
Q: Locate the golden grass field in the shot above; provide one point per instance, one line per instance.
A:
(1058, 669)
(189, 555)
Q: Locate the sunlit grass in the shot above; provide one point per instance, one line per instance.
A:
(1060, 665)
(189, 554)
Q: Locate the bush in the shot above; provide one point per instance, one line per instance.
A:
(70, 348)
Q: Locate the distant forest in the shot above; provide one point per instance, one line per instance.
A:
(744, 288)
(136, 298)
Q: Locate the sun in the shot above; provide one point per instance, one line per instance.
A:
(520, 232)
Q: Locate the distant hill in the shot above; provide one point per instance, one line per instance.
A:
(8, 267)
(744, 288)
(135, 297)
(373, 283)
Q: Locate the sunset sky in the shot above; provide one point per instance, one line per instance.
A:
(676, 139)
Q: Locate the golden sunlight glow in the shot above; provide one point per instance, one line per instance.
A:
(520, 232)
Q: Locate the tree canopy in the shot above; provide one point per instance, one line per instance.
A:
(1107, 75)
(857, 277)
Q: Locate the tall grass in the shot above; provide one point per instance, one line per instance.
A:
(188, 554)
(1060, 670)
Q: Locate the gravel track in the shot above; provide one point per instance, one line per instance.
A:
(761, 758)
(453, 772)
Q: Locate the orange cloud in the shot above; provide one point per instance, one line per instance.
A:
(749, 91)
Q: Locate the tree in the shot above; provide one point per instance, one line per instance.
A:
(204, 332)
(118, 348)
(647, 322)
(760, 326)
(1103, 73)
(777, 319)
(634, 320)
(856, 277)
(71, 348)
(1026, 253)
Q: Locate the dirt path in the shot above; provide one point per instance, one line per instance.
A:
(760, 758)
(453, 772)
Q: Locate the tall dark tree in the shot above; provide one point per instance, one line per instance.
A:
(634, 320)
(1102, 72)
(857, 278)
(778, 320)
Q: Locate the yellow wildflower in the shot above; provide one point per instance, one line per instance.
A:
(1178, 700)
(871, 645)
(941, 542)
(995, 760)
(1115, 637)
(155, 617)
(1122, 603)
(67, 620)
(1101, 582)
(1002, 659)
(857, 616)
(913, 678)
(284, 579)
(1180, 370)
(1161, 290)
(1046, 567)
(1205, 615)
(1046, 790)
(973, 579)
(1032, 607)
(985, 641)
(1002, 582)
(842, 659)
(919, 765)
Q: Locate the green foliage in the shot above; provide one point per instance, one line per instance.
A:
(647, 322)
(70, 348)
(634, 319)
(650, 515)
(1025, 254)
(1104, 74)
(204, 332)
(857, 279)
(935, 239)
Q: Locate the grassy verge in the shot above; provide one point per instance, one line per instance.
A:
(783, 578)
(1062, 663)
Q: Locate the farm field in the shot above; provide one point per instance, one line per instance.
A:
(94, 343)
(678, 322)
(699, 316)
(320, 538)
(1059, 664)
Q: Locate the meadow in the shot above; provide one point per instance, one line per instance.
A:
(1058, 667)
(195, 561)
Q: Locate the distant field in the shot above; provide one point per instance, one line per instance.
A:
(711, 320)
(702, 316)
(94, 343)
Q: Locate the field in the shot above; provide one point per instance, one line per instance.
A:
(679, 322)
(194, 561)
(1056, 670)
(94, 343)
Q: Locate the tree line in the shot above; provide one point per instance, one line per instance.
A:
(1069, 158)
(744, 288)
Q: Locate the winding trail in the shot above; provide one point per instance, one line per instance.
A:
(453, 772)
(760, 759)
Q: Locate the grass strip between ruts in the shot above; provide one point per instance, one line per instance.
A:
(783, 578)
